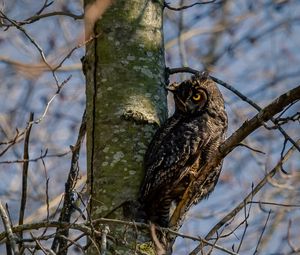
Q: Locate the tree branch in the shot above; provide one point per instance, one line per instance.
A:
(25, 172)
(8, 230)
(66, 212)
(190, 195)
(186, 6)
(85, 228)
(249, 197)
(258, 120)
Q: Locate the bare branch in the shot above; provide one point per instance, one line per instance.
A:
(248, 198)
(72, 50)
(50, 14)
(87, 230)
(37, 17)
(187, 6)
(257, 121)
(45, 5)
(65, 215)
(25, 172)
(8, 229)
(40, 246)
(262, 232)
(25, 160)
(38, 225)
(273, 203)
(282, 121)
(60, 87)
(17, 138)
(201, 240)
(247, 214)
(250, 148)
(105, 231)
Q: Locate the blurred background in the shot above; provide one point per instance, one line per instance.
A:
(252, 45)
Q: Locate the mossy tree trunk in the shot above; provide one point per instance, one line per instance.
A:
(126, 101)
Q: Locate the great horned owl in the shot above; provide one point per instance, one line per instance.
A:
(180, 147)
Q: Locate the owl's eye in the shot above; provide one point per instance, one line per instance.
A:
(197, 97)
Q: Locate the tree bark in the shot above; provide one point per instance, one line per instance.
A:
(126, 102)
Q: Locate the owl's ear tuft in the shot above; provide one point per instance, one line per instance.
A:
(172, 87)
(201, 77)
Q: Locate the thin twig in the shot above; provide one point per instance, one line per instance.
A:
(47, 189)
(281, 155)
(71, 243)
(262, 232)
(74, 49)
(186, 6)
(45, 5)
(44, 224)
(212, 247)
(250, 148)
(65, 216)
(47, 195)
(247, 214)
(105, 231)
(201, 240)
(25, 160)
(7, 244)
(50, 14)
(85, 228)
(74, 240)
(8, 230)
(248, 198)
(37, 17)
(60, 87)
(41, 247)
(282, 121)
(17, 138)
(273, 203)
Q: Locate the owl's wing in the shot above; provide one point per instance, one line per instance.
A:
(170, 158)
(159, 138)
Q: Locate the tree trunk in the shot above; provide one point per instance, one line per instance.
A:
(126, 101)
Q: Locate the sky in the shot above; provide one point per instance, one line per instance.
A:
(252, 45)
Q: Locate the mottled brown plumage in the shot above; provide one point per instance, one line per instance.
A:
(185, 142)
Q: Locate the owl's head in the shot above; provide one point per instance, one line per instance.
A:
(189, 96)
(196, 94)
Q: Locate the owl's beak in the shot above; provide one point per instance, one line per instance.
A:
(172, 87)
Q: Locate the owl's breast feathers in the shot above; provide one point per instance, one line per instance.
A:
(177, 151)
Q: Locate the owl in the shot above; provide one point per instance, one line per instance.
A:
(182, 145)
